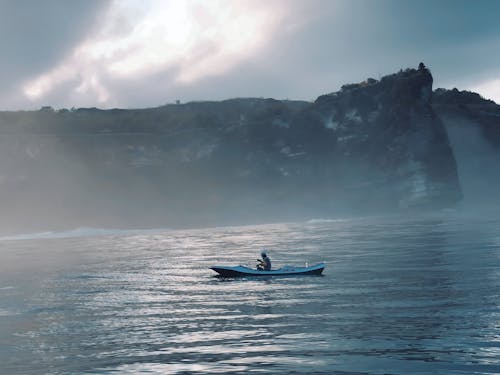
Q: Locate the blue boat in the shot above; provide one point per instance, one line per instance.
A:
(243, 271)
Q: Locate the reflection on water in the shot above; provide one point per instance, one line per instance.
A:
(398, 296)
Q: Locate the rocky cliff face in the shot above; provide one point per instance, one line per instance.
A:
(377, 145)
(389, 129)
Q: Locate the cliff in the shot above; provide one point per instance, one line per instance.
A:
(373, 146)
(388, 128)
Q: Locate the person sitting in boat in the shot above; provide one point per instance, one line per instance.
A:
(264, 263)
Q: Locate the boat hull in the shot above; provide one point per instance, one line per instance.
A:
(242, 271)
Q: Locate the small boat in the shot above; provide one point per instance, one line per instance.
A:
(242, 271)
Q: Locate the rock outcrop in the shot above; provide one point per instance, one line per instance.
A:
(389, 129)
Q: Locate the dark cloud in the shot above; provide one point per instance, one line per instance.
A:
(353, 40)
(36, 35)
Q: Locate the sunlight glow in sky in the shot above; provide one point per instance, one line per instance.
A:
(142, 38)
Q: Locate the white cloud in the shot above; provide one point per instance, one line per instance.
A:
(137, 39)
(489, 90)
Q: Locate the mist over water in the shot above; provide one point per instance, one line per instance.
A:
(399, 295)
(477, 164)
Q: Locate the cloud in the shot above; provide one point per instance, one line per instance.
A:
(489, 89)
(36, 35)
(191, 38)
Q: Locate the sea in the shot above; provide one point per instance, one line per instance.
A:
(416, 294)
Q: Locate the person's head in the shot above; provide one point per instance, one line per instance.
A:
(263, 254)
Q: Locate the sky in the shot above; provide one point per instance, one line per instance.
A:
(146, 53)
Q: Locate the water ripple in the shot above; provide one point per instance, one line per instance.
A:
(398, 296)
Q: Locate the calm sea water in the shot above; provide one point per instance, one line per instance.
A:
(399, 296)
